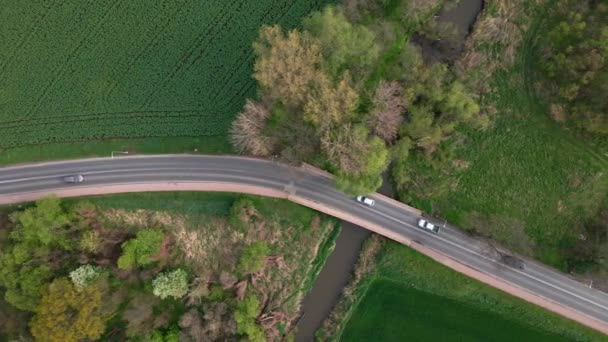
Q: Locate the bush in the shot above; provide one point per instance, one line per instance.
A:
(84, 275)
(141, 250)
(245, 315)
(90, 242)
(172, 284)
(252, 259)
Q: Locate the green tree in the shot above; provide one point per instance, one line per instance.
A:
(43, 224)
(66, 314)
(142, 249)
(253, 256)
(245, 315)
(375, 160)
(27, 265)
(345, 46)
(171, 284)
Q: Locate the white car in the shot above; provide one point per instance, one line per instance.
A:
(367, 201)
(74, 179)
(424, 224)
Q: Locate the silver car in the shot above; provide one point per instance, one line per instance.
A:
(424, 224)
(366, 200)
(74, 178)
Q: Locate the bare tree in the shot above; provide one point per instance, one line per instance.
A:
(247, 131)
(387, 115)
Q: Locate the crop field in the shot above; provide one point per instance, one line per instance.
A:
(410, 297)
(81, 70)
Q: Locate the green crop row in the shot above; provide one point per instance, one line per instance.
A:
(77, 70)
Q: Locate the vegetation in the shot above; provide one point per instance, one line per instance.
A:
(526, 182)
(405, 285)
(573, 58)
(253, 257)
(171, 284)
(67, 313)
(84, 275)
(129, 69)
(194, 276)
(140, 250)
(320, 89)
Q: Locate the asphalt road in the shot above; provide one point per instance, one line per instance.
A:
(534, 278)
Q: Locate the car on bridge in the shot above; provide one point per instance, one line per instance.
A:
(366, 200)
(424, 224)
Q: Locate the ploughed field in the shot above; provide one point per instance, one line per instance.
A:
(80, 70)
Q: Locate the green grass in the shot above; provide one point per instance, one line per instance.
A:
(80, 71)
(103, 148)
(527, 168)
(193, 204)
(412, 315)
(413, 296)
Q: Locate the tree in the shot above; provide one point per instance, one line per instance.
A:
(245, 315)
(66, 314)
(43, 224)
(387, 115)
(23, 280)
(369, 178)
(286, 64)
(400, 157)
(27, 265)
(141, 250)
(247, 131)
(253, 256)
(171, 284)
(328, 105)
(345, 46)
(84, 275)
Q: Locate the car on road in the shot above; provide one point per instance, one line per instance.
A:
(365, 200)
(424, 224)
(74, 178)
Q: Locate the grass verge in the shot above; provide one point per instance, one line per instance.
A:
(103, 148)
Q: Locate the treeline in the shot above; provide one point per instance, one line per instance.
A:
(67, 273)
(349, 93)
(574, 57)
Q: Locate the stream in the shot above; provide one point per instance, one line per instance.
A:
(338, 269)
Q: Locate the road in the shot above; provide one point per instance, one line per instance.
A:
(452, 247)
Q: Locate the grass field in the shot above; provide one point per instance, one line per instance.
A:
(526, 170)
(79, 71)
(411, 297)
(411, 315)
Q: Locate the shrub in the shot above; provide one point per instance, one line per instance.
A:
(172, 284)
(90, 242)
(84, 275)
(252, 259)
(141, 250)
(245, 315)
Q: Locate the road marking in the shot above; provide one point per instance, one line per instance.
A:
(118, 171)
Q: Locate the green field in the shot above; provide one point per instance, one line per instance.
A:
(85, 70)
(526, 170)
(412, 298)
(411, 315)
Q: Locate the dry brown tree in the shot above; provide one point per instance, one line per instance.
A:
(247, 131)
(386, 118)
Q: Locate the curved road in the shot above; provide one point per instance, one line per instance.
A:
(535, 283)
